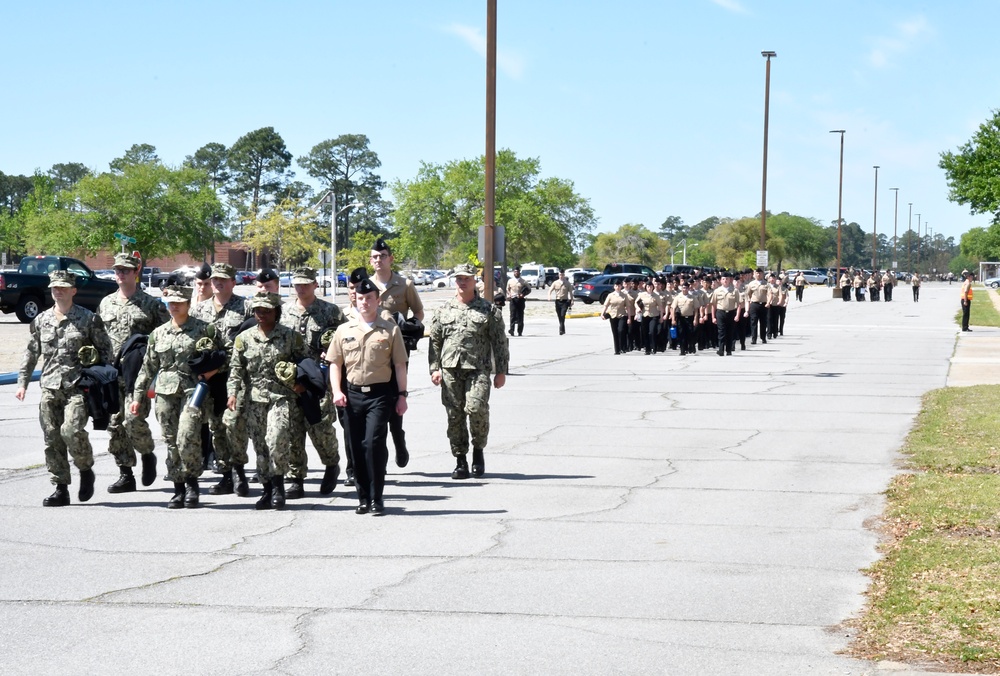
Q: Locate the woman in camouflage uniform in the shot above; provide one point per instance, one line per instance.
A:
(170, 346)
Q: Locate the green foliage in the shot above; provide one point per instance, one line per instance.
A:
(287, 230)
(139, 153)
(440, 211)
(259, 161)
(631, 243)
(981, 243)
(962, 262)
(65, 176)
(805, 239)
(673, 228)
(213, 159)
(735, 243)
(973, 172)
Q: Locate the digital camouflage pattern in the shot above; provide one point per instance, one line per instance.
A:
(467, 343)
(166, 360)
(312, 322)
(123, 318)
(271, 405)
(63, 410)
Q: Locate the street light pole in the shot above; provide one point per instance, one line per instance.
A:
(895, 220)
(874, 222)
(909, 241)
(763, 188)
(489, 207)
(840, 199)
(919, 247)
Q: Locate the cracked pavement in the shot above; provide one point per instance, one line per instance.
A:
(638, 515)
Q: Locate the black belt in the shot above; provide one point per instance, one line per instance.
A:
(377, 388)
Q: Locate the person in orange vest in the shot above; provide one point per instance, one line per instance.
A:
(966, 300)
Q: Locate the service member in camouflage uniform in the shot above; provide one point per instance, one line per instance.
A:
(131, 311)
(262, 372)
(466, 335)
(170, 346)
(312, 318)
(57, 335)
(227, 312)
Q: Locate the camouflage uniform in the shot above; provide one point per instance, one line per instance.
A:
(464, 340)
(63, 410)
(270, 404)
(167, 360)
(311, 323)
(229, 429)
(123, 318)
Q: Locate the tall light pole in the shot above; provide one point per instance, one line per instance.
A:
(763, 187)
(491, 145)
(895, 221)
(909, 241)
(331, 197)
(840, 199)
(919, 247)
(874, 221)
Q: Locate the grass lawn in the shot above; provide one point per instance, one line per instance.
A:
(935, 594)
(983, 313)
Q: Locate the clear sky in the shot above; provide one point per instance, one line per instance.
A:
(651, 108)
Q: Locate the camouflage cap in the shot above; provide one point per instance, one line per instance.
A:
(268, 301)
(223, 271)
(177, 294)
(63, 278)
(124, 260)
(463, 270)
(303, 276)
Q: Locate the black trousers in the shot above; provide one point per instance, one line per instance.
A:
(758, 318)
(516, 315)
(743, 330)
(368, 418)
(561, 307)
(845, 292)
(685, 334)
(772, 321)
(874, 293)
(619, 332)
(916, 294)
(649, 328)
(887, 293)
(781, 320)
(725, 319)
(798, 293)
(857, 295)
(966, 309)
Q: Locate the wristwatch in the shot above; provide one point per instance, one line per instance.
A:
(404, 393)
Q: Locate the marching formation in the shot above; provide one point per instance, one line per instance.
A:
(698, 312)
(226, 371)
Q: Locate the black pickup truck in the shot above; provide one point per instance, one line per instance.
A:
(26, 292)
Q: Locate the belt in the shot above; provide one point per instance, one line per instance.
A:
(376, 388)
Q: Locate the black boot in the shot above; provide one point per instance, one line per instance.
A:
(240, 481)
(265, 498)
(330, 477)
(148, 469)
(177, 501)
(191, 493)
(225, 485)
(278, 492)
(399, 441)
(295, 489)
(478, 465)
(461, 469)
(86, 485)
(125, 483)
(59, 498)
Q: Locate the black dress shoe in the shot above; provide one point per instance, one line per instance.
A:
(86, 485)
(330, 476)
(60, 498)
(402, 456)
(349, 480)
(148, 468)
(362, 508)
(378, 509)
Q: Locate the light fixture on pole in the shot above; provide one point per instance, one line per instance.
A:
(874, 222)
(840, 200)
(763, 187)
(895, 220)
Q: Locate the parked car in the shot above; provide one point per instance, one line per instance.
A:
(992, 282)
(433, 275)
(324, 280)
(580, 276)
(551, 275)
(285, 279)
(26, 292)
(634, 268)
(812, 277)
(533, 274)
(245, 277)
(416, 276)
(596, 289)
(678, 269)
(104, 274)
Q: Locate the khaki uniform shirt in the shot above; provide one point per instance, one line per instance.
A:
(915, 280)
(58, 342)
(367, 352)
(800, 279)
(757, 291)
(562, 289)
(125, 317)
(167, 356)
(515, 286)
(686, 305)
(773, 295)
(726, 298)
(468, 337)
(650, 304)
(887, 280)
(619, 304)
(398, 295)
(312, 323)
(254, 357)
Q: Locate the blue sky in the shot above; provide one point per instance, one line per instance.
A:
(652, 109)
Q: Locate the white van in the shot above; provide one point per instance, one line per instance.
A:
(533, 274)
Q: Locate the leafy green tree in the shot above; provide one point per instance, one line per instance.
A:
(259, 161)
(65, 176)
(631, 243)
(213, 159)
(347, 166)
(805, 239)
(735, 244)
(973, 173)
(139, 153)
(440, 211)
(673, 228)
(287, 231)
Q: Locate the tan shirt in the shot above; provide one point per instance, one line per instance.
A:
(398, 295)
(757, 290)
(685, 305)
(618, 304)
(726, 298)
(368, 352)
(562, 289)
(650, 304)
